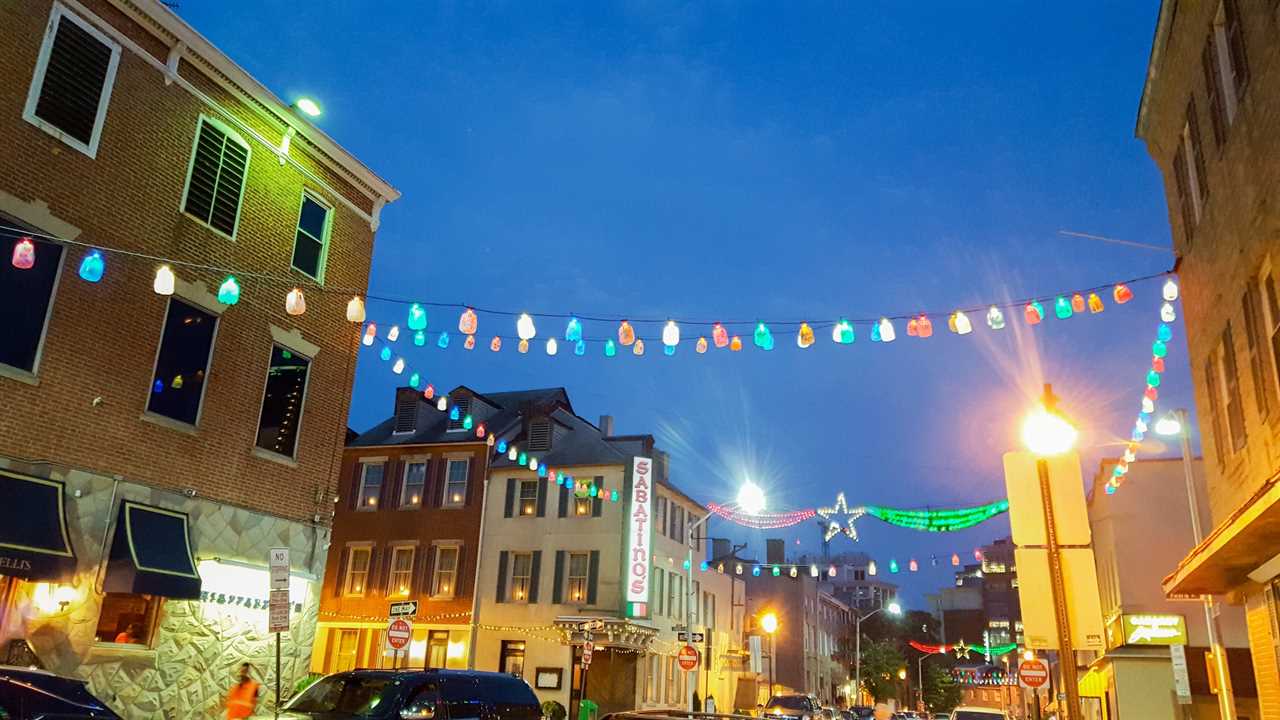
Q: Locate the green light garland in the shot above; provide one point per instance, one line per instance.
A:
(994, 650)
(947, 520)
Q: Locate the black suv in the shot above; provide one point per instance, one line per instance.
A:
(416, 695)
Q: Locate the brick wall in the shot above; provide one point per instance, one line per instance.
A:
(1266, 671)
(102, 338)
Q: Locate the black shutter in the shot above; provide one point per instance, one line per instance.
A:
(74, 79)
(542, 497)
(557, 589)
(1257, 347)
(341, 577)
(471, 463)
(217, 176)
(353, 497)
(371, 572)
(593, 576)
(511, 497)
(502, 575)
(597, 505)
(562, 509)
(438, 472)
(419, 559)
(535, 570)
(391, 484)
(460, 581)
(428, 568)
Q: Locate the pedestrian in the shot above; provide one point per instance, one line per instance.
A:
(243, 696)
(710, 704)
(882, 712)
(131, 635)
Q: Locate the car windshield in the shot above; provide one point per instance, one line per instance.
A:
(788, 702)
(975, 715)
(356, 695)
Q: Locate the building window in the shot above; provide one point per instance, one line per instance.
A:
(346, 647)
(660, 514)
(455, 487)
(577, 577)
(464, 409)
(127, 619)
(582, 505)
(444, 579)
(1233, 62)
(26, 298)
(370, 487)
(357, 570)
(311, 243)
(528, 497)
(415, 481)
(182, 362)
(670, 664)
(672, 594)
(1230, 384)
(859, 574)
(437, 649)
(1271, 320)
(401, 570)
(1254, 317)
(72, 83)
(657, 590)
(521, 572)
(539, 435)
(281, 416)
(215, 181)
(511, 658)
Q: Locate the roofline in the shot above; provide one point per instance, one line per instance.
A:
(1153, 60)
(198, 45)
(352, 448)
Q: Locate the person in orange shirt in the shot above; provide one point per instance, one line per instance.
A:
(243, 696)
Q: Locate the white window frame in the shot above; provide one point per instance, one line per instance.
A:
(351, 550)
(365, 463)
(392, 587)
(31, 376)
(446, 498)
(42, 66)
(191, 163)
(1271, 323)
(403, 500)
(324, 241)
(266, 378)
(582, 580)
(208, 364)
(512, 577)
(520, 498)
(1189, 150)
(1224, 393)
(437, 551)
(1222, 58)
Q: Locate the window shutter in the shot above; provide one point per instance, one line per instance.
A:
(341, 571)
(502, 575)
(460, 584)
(1197, 147)
(467, 499)
(597, 505)
(1235, 413)
(353, 497)
(1235, 44)
(385, 498)
(384, 578)
(1213, 88)
(217, 178)
(535, 568)
(74, 80)
(557, 589)
(415, 572)
(539, 435)
(1257, 347)
(562, 505)
(511, 497)
(542, 497)
(371, 572)
(1184, 191)
(1215, 403)
(406, 412)
(394, 483)
(593, 576)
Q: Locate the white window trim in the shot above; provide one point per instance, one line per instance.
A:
(397, 548)
(520, 497)
(302, 406)
(405, 462)
(351, 549)
(1269, 322)
(42, 66)
(445, 502)
(511, 578)
(569, 576)
(165, 420)
(364, 467)
(32, 376)
(327, 232)
(191, 163)
(456, 546)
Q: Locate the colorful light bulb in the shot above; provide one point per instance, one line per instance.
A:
(1034, 312)
(777, 571)
(552, 346)
(893, 565)
(913, 328)
(229, 291)
(524, 327)
(995, 318)
(671, 334)
(626, 333)
(1151, 394)
(469, 343)
(495, 344)
(1122, 294)
(295, 303)
(912, 565)
(610, 348)
(875, 332)
(420, 337)
(959, 323)
(385, 353)
(1169, 291)
(1095, 303)
(417, 317)
(454, 413)
(719, 335)
(415, 380)
(370, 332)
(955, 559)
(467, 422)
(637, 348)
(804, 336)
(580, 347)
(164, 282)
(467, 322)
(1157, 364)
(91, 266)
(355, 310)
(442, 403)
(1164, 333)
(831, 571)
(1167, 314)
(871, 567)
(523, 347)
(24, 254)
(1147, 405)
(573, 331)
(1062, 307)
(886, 330)
(393, 334)
(502, 446)
(1077, 303)
(1159, 349)
(842, 332)
(512, 454)
(735, 345)
(1153, 378)
(924, 326)
(480, 431)
(668, 350)
(398, 367)
(763, 338)
(443, 341)
(700, 346)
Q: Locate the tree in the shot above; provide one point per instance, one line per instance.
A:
(881, 662)
(941, 693)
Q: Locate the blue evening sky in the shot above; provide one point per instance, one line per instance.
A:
(740, 160)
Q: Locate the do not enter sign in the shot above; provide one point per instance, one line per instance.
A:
(1033, 674)
(398, 634)
(688, 657)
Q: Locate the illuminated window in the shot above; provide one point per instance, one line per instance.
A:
(346, 647)
(521, 572)
(282, 401)
(444, 579)
(577, 577)
(582, 506)
(414, 482)
(455, 489)
(528, 497)
(310, 245)
(357, 570)
(401, 570)
(437, 649)
(370, 488)
(127, 619)
(511, 658)
(182, 362)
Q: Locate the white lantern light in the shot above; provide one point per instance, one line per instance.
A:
(525, 328)
(886, 330)
(295, 303)
(164, 281)
(443, 403)
(512, 453)
(398, 367)
(394, 333)
(1167, 314)
(671, 334)
(1170, 290)
(355, 310)
(552, 346)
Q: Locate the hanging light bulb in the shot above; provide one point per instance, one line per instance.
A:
(470, 342)
(229, 291)
(442, 403)
(480, 431)
(467, 322)
(419, 338)
(735, 345)
(393, 334)
(398, 367)
(523, 347)
(385, 353)
(443, 341)
(610, 348)
(671, 334)
(580, 347)
(959, 323)
(886, 330)
(490, 440)
(455, 413)
(1062, 307)
(524, 327)
(1169, 291)
(467, 422)
(912, 565)
(777, 571)
(831, 571)
(719, 335)
(804, 336)
(871, 567)
(24, 254)
(91, 266)
(370, 332)
(637, 348)
(429, 392)
(1159, 349)
(626, 334)
(701, 346)
(1122, 294)
(977, 554)
(995, 318)
(912, 327)
(355, 310)
(573, 331)
(512, 453)
(1167, 314)
(1034, 312)
(163, 284)
(842, 332)
(893, 565)
(924, 327)
(417, 317)
(955, 559)
(755, 571)
(1077, 303)
(552, 346)
(1095, 303)
(1153, 378)
(793, 572)
(533, 463)
(1164, 333)
(763, 338)
(295, 303)
(1151, 394)
(177, 382)
(1157, 364)
(495, 344)
(415, 380)
(813, 570)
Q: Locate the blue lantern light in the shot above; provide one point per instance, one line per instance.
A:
(502, 446)
(580, 347)
(755, 571)
(414, 379)
(419, 338)
(573, 331)
(542, 470)
(385, 354)
(454, 414)
(91, 266)
(443, 342)
(417, 317)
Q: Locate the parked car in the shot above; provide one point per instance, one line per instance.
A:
(978, 713)
(793, 705)
(28, 693)
(416, 695)
(860, 712)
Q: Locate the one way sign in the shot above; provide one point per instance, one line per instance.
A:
(683, 636)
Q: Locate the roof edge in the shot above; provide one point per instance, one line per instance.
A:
(1163, 18)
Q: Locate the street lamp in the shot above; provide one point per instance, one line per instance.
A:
(750, 498)
(1177, 424)
(894, 609)
(769, 623)
(308, 106)
(1046, 433)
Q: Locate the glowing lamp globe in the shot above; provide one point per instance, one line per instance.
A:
(842, 332)
(960, 323)
(443, 341)
(355, 310)
(467, 322)
(751, 498)
(398, 367)
(804, 337)
(1095, 303)
(626, 333)
(719, 335)
(308, 106)
(871, 568)
(735, 345)
(995, 318)
(552, 346)
(763, 338)
(524, 327)
(1170, 290)
(495, 344)
(417, 317)
(671, 334)
(523, 346)
(24, 254)
(894, 609)
(393, 334)
(573, 331)
(385, 353)
(1167, 314)
(701, 345)
(370, 332)
(637, 348)
(163, 284)
(442, 403)
(1046, 433)
(610, 348)
(91, 266)
(1169, 425)
(1062, 307)
(580, 347)
(886, 330)
(295, 303)
(769, 622)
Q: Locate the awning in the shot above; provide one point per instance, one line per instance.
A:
(1248, 538)
(151, 554)
(34, 544)
(616, 632)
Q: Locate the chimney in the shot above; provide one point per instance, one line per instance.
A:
(606, 425)
(775, 551)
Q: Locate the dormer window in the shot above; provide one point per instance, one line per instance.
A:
(540, 432)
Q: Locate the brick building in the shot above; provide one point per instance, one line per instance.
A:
(1208, 114)
(154, 446)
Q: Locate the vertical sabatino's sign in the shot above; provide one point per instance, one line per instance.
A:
(639, 536)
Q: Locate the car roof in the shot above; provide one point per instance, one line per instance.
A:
(976, 709)
(429, 674)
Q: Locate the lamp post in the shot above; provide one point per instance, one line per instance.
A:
(1178, 423)
(920, 676)
(769, 623)
(894, 609)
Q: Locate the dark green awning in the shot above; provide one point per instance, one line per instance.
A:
(34, 543)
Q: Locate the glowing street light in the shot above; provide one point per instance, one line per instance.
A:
(1028, 655)
(751, 498)
(308, 106)
(769, 622)
(893, 609)
(902, 674)
(1046, 432)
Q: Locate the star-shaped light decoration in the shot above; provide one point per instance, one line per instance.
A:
(833, 517)
(962, 651)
